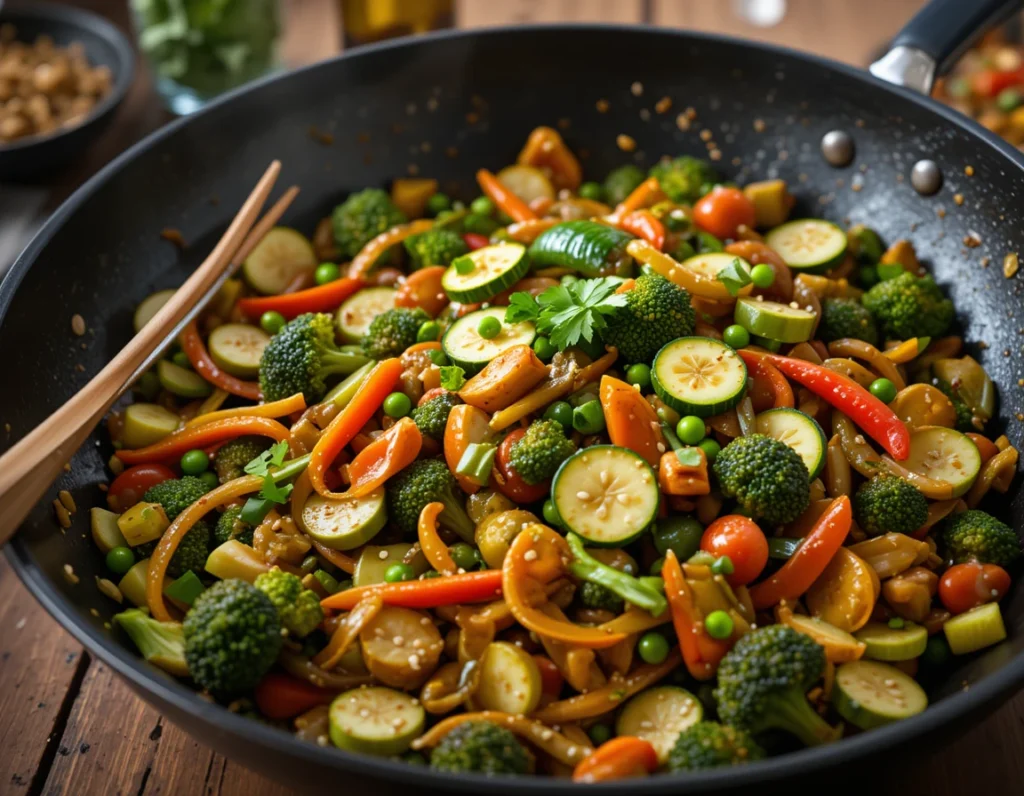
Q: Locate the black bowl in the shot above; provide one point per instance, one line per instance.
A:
(105, 45)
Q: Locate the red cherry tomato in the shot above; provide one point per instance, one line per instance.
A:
(476, 241)
(723, 210)
(742, 540)
(510, 484)
(966, 586)
(551, 679)
(129, 487)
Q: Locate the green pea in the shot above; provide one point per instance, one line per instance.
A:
(544, 348)
(398, 573)
(736, 336)
(936, 652)
(560, 412)
(884, 390)
(679, 534)
(438, 203)
(722, 566)
(1008, 99)
(599, 733)
(551, 516)
(465, 556)
(326, 272)
(690, 429)
(482, 205)
(591, 190)
(195, 462)
(489, 328)
(397, 405)
(711, 449)
(272, 321)
(867, 275)
(640, 375)
(897, 623)
(588, 418)
(180, 358)
(120, 560)
(719, 624)
(438, 357)
(762, 275)
(209, 478)
(428, 332)
(653, 647)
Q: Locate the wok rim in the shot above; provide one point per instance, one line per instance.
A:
(144, 680)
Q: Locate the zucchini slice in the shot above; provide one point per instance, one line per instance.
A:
(801, 432)
(145, 424)
(606, 494)
(282, 255)
(527, 182)
(658, 715)
(105, 532)
(975, 629)
(589, 247)
(808, 244)
(345, 524)
(509, 680)
(465, 347)
(944, 454)
(699, 376)
(358, 311)
(375, 721)
(884, 643)
(181, 381)
(774, 320)
(711, 264)
(149, 307)
(494, 269)
(237, 348)
(374, 561)
(869, 694)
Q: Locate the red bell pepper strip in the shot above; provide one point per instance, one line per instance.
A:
(322, 298)
(194, 348)
(701, 653)
(503, 197)
(472, 587)
(767, 372)
(644, 224)
(864, 409)
(280, 696)
(475, 240)
(171, 447)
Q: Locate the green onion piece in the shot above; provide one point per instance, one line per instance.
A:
(476, 462)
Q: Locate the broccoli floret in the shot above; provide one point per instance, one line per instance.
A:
(230, 525)
(888, 504)
(845, 317)
(175, 495)
(232, 456)
(232, 637)
(361, 218)
(964, 415)
(301, 356)
(481, 747)
(909, 306)
(422, 482)
(766, 477)
(298, 608)
(594, 595)
(656, 312)
(978, 536)
(161, 643)
(438, 246)
(685, 178)
(432, 417)
(621, 182)
(762, 682)
(541, 451)
(707, 744)
(391, 332)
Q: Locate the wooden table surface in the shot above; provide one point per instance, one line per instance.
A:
(69, 725)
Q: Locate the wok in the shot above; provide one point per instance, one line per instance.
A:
(445, 105)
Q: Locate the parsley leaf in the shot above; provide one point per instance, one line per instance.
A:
(273, 492)
(272, 457)
(574, 312)
(734, 276)
(521, 307)
(452, 377)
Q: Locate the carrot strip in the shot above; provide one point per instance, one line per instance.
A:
(315, 299)
(701, 653)
(282, 408)
(191, 437)
(632, 421)
(644, 195)
(472, 587)
(644, 224)
(435, 550)
(503, 197)
(392, 451)
(194, 348)
(363, 262)
(620, 758)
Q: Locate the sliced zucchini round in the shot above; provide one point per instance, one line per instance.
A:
(711, 264)
(509, 680)
(606, 494)
(944, 454)
(658, 715)
(801, 432)
(149, 307)
(145, 424)
(375, 721)
(345, 524)
(884, 643)
(282, 255)
(975, 629)
(181, 381)
(237, 348)
(774, 320)
(486, 272)
(808, 244)
(465, 347)
(699, 376)
(527, 182)
(869, 694)
(358, 311)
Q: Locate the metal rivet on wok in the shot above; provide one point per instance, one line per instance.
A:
(837, 148)
(926, 177)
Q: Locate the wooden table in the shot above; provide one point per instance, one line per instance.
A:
(70, 726)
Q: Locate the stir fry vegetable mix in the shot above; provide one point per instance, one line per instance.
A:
(517, 489)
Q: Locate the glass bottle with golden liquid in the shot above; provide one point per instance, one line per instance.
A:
(365, 21)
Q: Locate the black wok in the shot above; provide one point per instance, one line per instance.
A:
(405, 104)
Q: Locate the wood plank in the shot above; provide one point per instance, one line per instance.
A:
(480, 13)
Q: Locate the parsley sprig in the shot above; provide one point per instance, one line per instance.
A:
(569, 313)
(735, 276)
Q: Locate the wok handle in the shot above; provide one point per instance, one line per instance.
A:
(937, 35)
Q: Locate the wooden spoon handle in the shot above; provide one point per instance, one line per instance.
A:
(29, 468)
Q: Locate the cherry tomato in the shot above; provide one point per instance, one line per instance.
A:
(723, 210)
(510, 484)
(742, 540)
(551, 679)
(423, 289)
(475, 241)
(966, 586)
(129, 487)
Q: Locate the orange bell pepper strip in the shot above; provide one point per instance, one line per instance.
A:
(503, 197)
(363, 262)
(701, 653)
(322, 298)
(282, 408)
(644, 195)
(171, 447)
(810, 559)
(281, 696)
(392, 451)
(620, 758)
(763, 370)
(435, 550)
(537, 556)
(194, 348)
(644, 224)
(546, 148)
(472, 587)
(377, 385)
(632, 421)
(466, 425)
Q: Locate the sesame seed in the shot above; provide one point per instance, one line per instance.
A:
(530, 555)
(382, 554)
